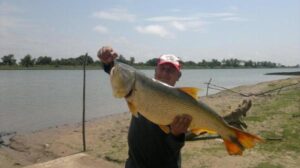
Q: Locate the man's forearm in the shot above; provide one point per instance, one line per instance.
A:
(176, 142)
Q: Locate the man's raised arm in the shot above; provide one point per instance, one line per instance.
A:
(107, 56)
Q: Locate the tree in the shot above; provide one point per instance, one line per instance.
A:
(80, 60)
(8, 60)
(189, 63)
(203, 63)
(268, 64)
(132, 60)
(122, 59)
(27, 61)
(214, 63)
(97, 62)
(249, 64)
(68, 61)
(152, 62)
(56, 62)
(43, 60)
(231, 62)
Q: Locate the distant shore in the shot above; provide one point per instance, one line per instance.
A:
(96, 67)
(297, 73)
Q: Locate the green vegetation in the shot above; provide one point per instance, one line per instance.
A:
(268, 165)
(282, 113)
(44, 62)
(8, 62)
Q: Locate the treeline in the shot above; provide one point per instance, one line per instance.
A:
(214, 63)
(29, 61)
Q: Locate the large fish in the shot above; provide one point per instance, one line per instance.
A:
(160, 103)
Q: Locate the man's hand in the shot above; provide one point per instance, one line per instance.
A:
(180, 124)
(107, 55)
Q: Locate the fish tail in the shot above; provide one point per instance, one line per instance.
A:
(241, 140)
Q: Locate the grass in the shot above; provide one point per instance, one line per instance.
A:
(283, 112)
(268, 165)
(256, 118)
(276, 118)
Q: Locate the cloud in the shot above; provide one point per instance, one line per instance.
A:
(235, 19)
(217, 14)
(155, 30)
(195, 17)
(100, 29)
(178, 25)
(189, 25)
(115, 14)
(224, 16)
(169, 19)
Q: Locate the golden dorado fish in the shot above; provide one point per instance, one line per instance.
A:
(160, 103)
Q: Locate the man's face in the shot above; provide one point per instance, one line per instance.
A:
(167, 73)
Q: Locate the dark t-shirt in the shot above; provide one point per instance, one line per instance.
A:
(149, 146)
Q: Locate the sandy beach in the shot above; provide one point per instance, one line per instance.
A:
(275, 115)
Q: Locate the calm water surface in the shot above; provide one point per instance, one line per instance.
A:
(36, 99)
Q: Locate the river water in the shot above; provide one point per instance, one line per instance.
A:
(36, 99)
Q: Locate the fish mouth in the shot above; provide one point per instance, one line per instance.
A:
(122, 82)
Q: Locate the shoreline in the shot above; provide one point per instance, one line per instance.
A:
(98, 67)
(107, 136)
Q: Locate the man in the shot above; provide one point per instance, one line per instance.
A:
(149, 146)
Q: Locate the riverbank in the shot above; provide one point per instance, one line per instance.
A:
(274, 115)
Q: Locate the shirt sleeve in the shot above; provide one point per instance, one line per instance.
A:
(107, 67)
(176, 142)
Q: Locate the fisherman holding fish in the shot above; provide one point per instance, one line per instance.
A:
(162, 114)
(149, 146)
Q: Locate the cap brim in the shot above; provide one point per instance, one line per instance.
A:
(168, 62)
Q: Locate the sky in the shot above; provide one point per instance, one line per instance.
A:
(257, 30)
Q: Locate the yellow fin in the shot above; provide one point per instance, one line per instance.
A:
(246, 139)
(190, 91)
(165, 128)
(242, 140)
(199, 131)
(132, 109)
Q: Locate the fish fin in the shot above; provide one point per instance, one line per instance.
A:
(190, 91)
(165, 128)
(233, 148)
(242, 140)
(132, 108)
(199, 131)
